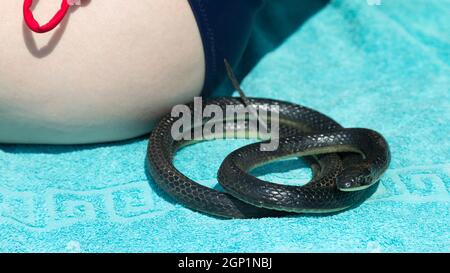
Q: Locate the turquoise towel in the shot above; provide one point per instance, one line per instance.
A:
(384, 67)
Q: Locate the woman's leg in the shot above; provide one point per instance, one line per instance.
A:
(107, 73)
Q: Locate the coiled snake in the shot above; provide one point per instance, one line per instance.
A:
(348, 164)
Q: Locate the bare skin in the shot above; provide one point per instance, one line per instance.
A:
(107, 73)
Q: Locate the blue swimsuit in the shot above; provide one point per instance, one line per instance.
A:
(225, 26)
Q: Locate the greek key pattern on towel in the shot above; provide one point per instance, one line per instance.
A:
(58, 208)
(134, 201)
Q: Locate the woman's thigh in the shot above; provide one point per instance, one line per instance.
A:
(107, 73)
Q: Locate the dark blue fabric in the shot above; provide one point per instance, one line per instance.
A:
(225, 26)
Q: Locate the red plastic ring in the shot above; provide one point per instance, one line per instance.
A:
(54, 22)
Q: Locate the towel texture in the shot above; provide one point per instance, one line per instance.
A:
(385, 67)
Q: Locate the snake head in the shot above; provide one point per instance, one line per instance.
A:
(355, 178)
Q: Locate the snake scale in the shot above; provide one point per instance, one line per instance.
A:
(346, 162)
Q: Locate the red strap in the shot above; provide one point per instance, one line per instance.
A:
(54, 22)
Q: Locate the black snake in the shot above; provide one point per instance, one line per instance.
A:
(346, 164)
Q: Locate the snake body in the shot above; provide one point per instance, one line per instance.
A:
(346, 163)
